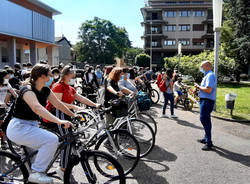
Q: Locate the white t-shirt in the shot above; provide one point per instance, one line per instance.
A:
(3, 92)
(177, 86)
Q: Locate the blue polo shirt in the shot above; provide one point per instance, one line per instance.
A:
(209, 80)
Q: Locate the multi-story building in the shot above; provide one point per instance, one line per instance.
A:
(25, 27)
(167, 22)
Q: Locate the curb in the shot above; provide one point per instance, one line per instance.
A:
(227, 119)
(231, 120)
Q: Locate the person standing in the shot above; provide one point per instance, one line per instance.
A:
(168, 93)
(207, 101)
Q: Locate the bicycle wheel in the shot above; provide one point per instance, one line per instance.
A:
(154, 95)
(147, 118)
(123, 146)
(94, 167)
(7, 162)
(143, 133)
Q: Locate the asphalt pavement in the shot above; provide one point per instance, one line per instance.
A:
(177, 157)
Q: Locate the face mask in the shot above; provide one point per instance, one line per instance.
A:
(128, 75)
(48, 84)
(202, 70)
(72, 82)
(98, 69)
(56, 76)
(6, 81)
(92, 71)
(12, 76)
(122, 77)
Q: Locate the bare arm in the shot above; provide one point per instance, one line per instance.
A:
(111, 90)
(30, 98)
(84, 100)
(70, 106)
(12, 91)
(59, 105)
(204, 89)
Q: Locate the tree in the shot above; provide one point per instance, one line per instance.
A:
(190, 65)
(142, 60)
(131, 55)
(237, 16)
(101, 41)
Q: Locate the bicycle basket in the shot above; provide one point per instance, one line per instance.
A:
(119, 108)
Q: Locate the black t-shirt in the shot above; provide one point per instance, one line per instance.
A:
(110, 96)
(22, 109)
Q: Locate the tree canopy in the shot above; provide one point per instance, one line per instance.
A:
(101, 41)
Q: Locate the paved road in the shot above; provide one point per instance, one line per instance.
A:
(178, 159)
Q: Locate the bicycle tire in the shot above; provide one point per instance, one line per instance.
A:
(88, 161)
(154, 93)
(128, 155)
(149, 119)
(146, 142)
(8, 160)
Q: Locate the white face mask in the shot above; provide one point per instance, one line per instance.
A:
(12, 76)
(72, 82)
(92, 71)
(6, 81)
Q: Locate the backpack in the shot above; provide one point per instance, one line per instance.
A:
(162, 86)
(143, 101)
(159, 79)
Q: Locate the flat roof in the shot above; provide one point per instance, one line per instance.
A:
(45, 6)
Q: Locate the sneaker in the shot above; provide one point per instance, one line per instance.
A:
(39, 178)
(164, 116)
(173, 116)
(207, 147)
(60, 173)
(202, 141)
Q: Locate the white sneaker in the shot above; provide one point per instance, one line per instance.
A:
(60, 173)
(39, 178)
(164, 116)
(173, 116)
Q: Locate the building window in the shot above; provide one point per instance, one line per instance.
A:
(154, 29)
(184, 27)
(171, 3)
(185, 13)
(185, 42)
(197, 41)
(169, 42)
(5, 55)
(170, 28)
(199, 13)
(170, 13)
(198, 27)
(154, 44)
(184, 2)
(154, 16)
(197, 2)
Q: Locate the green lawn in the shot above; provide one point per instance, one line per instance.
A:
(242, 102)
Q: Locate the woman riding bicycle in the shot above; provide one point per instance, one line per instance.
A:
(67, 95)
(23, 128)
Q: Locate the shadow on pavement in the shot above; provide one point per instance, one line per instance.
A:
(144, 174)
(243, 159)
(186, 123)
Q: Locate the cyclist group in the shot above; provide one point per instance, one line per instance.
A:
(46, 95)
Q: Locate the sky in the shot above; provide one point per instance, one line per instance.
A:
(122, 13)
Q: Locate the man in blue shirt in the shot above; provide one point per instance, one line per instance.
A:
(207, 100)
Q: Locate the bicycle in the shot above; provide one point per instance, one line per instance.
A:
(147, 88)
(119, 143)
(140, 129)
(17, 168)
